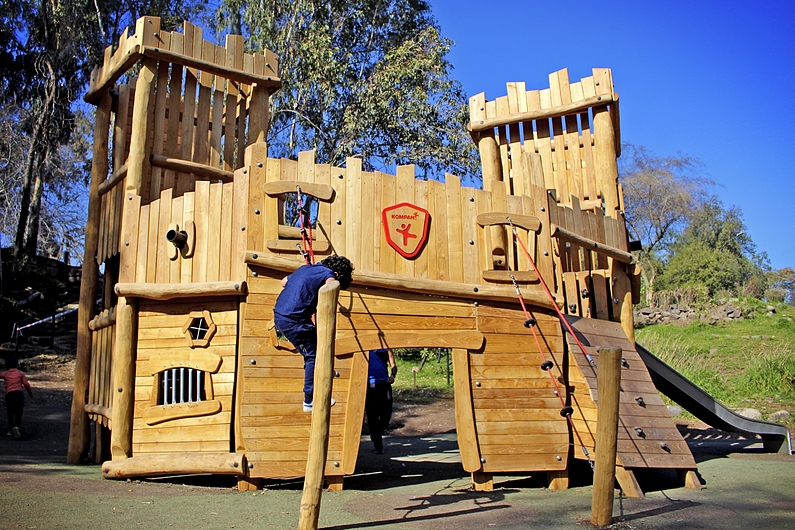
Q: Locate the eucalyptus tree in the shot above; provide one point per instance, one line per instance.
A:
(367, 78)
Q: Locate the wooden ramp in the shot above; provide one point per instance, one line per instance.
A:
(647, 435)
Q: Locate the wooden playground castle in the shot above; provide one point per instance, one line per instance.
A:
(182, 370)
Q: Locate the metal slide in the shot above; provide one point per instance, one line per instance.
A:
(775, 437)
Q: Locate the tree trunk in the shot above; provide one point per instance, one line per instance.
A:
(31, 161)
(32, 233)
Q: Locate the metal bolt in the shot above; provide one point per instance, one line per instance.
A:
(615, 301)
(256, 212)
(129, 198)
(255, 256)
(243, 228)
(126, 243)
(476, 304)
(259, 164)
(245, 171)
(546, 253)
(471, 199)
(482, 460)
(336, 373)
(120, 390)
(471, 242)
(543, 209)
(339, 176)
(237, 286)
(254, 274)
(250, 465)
(558, 458)
(336, 464)
(339, 222)
(235, 464)
(475, 289)
(477, 383)
(253, 361)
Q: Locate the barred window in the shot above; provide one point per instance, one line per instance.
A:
(181, 385)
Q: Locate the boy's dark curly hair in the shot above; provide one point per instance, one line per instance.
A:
(342, 267)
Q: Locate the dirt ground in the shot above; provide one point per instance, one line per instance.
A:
(418, 484)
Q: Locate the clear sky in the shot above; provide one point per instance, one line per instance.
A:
(713, 80)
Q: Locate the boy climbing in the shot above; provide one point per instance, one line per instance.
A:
(295, 309)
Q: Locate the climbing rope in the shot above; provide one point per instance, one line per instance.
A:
(552, 298)
(566, 410)
(306, 239)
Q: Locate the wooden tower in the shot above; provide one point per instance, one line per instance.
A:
(183, 367)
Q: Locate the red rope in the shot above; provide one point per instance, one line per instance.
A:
(532, 326)
(309, 254)
(552, 298)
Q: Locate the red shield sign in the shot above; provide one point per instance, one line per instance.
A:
(406, 228)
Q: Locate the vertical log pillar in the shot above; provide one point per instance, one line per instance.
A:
(605, 164)
(321, 408)
(608, 384)
(79, 434)
(138, 166)
(123, 389)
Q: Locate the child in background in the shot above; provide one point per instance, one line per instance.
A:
(296, 306)
(15, 381)
(378, 407)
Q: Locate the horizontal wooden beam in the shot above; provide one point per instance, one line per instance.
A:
(292, 245)
(505, 276)
(321, 192)
(396, 282)
(528, 222)
(562, 110)
(103, 320)
(469, 340)
(247, 78)
(116, 177)
(97, 409)
(168, 291)
(111, 75)
(195, 168)
(612, 252)
(175, 464)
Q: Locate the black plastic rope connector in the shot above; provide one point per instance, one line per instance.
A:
(530, 322)
(547, 365)
(566, 411)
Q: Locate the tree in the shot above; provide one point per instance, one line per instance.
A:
(715, 251)
(360, 78)
(662, 195)
(781, 286)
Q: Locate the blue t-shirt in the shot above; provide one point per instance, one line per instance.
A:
(298, 299)
(378, 372)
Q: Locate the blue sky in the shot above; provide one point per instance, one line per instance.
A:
(713, 80)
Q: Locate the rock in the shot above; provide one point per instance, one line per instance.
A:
(674, 410)
(750, 413)
(779, 416)
(771, 309)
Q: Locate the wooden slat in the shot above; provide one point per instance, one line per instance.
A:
(455, 232)
(163, 270)
(404, 193)
(354, 412)
(338, 211)
(440, 226)
(368, 219)
(421, 200)
(188, 214)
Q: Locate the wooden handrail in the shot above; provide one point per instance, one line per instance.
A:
(321, 192)
(175, 464)
(527, 222)
(562, 110)
(194, 168)
(116, 177)
(98, 410)
(396, 282)
(611, 252)
(167, 291)
(103, 320)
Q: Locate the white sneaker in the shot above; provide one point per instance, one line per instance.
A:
(17, 434)
(308, 406)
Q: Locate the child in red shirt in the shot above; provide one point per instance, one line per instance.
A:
(15, 381)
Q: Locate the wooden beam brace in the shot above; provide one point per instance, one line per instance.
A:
(562, 110)
(527, 222)
(469, 340)
(176, 464)
(194, 168)
(168, 291)
(612, 252)
(397, 282)
(321, 192)
(114, 179)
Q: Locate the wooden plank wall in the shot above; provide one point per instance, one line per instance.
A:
(636, 449)
(211, 208)
(456, 246)
(517, 414)
(160, 332)
(100, 380)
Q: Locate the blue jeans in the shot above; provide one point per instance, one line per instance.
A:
(302, 335)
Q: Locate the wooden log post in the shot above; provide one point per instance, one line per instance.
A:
(79, 435)
(138, 165)
(608, 384)
(321, 408)
(605, 165)
(123, 389)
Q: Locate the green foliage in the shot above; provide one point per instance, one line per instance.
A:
(364, 79)
(431, 373)
(714, 251)
(740, 363)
